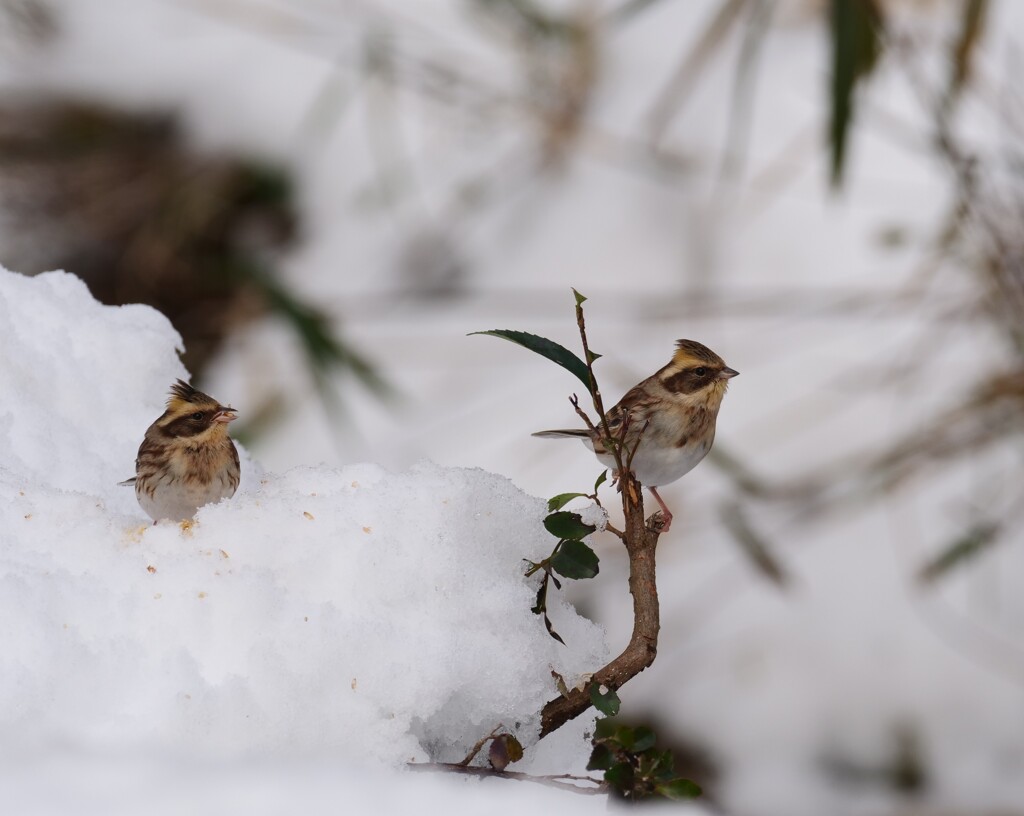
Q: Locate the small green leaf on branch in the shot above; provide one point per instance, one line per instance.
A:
(633, 767)
(620, 776)
(564, 524)
(562, 499)
(643, 739)
(575, 559)
(606, 702)
(601, 758)
(679, 789)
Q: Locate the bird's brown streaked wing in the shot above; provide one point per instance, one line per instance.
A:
(151, 452)
(637, 404)
(237, 470)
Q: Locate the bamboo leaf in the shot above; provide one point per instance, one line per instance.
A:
(959, 551)
(755, 547)
(856, 44)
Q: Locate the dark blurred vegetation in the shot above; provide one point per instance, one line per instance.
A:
(117, 199)
(121, 200)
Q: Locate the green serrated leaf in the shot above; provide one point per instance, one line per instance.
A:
(580, 299)
(545, 348)
(566, 524)
(643, 739)
(626, 737)
(601, 480)
(661, 765)
(607, 703)
(576, 560)
(561, 500)
(604, 729)
(620, 776)
(679, 789)
(601, 758)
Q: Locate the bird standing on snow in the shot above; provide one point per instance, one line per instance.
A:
(186, 459)
(670, 419)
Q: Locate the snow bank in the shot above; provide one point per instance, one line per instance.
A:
(350, 613)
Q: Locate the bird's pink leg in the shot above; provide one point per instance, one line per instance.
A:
(665, 511)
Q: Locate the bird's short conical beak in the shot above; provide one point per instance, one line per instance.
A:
(727, 373)
(225, 415)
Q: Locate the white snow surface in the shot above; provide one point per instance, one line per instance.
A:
(352, 615)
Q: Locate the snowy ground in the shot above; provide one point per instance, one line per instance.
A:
(349, 616)
(772, 683)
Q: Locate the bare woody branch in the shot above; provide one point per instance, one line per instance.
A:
(641, 540)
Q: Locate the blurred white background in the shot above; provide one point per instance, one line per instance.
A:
(458, 166)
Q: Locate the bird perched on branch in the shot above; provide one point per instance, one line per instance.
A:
(665, 424)
(186, 459)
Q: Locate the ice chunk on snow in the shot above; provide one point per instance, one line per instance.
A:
(356, 612)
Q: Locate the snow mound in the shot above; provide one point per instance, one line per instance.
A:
(350, 611)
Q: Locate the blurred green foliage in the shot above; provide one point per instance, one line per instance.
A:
(125, 203)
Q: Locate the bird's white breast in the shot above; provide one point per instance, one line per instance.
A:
(657, 463)
(177, 500)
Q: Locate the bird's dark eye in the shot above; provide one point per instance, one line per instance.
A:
(700, 371)
(197, 415)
